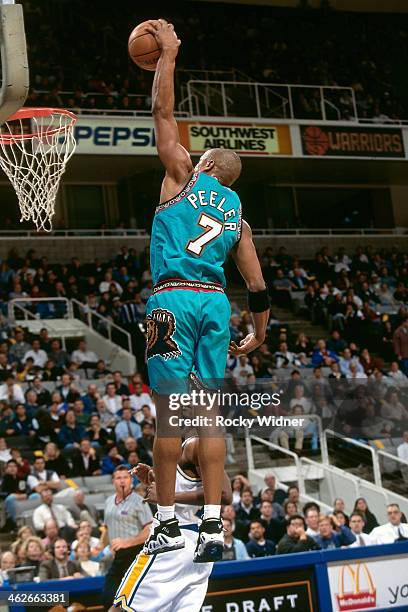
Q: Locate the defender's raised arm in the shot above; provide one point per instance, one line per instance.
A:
(173, 155)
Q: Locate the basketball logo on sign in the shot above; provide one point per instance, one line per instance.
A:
(316, 141)
(161, 325)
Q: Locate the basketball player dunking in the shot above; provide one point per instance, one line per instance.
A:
(172, 582)
(197, 223)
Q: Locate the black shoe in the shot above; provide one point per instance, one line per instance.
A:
(210, 542)
(164, 536)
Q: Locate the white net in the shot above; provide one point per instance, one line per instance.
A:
(34, 152)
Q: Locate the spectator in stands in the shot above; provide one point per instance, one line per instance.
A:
(347, 360)
(20, 347)
(239, 528)
(278, 495)
(393, 531)
(241, 370)
(55, 461)
(7, 562)
(83, 557)
(245, 510)
(43, 395)
(11, 392)
(112, 459)
(23, 465)
(51, 535)
(98, 436)
(271, 517)
(42, 478)
(296, 538)
(370, 521)
(58, 355)
(332, 534)
(145, 443)
(400, 340)
(285, 358)
(60, 567)
(357, 526)
(121, 387)
(16, 490)
(402, 452)
(33, 551)
(82, 510)
(322, 356)
(84, 357)
(5, 454)
(85, 461)
(101, 372)
(396, 376)
(394, 410)
(71, 434)
(22, 423)
(67, 390)
(112, 400)
(258, 546)
(311, 512)
(290, 508)
(140, 398)
(234, 549)
(238, 484)
(36, 353)
(90, 398)
(126, 426)
(49, 510)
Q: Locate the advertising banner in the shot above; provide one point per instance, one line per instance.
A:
(344, 141)
(135, 136)
(286, 592)
(369, 585)
(245, 138)
(115, 136)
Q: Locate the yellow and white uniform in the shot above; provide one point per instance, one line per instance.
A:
(170, 581)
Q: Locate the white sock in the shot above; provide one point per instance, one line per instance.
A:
(212, 511)
(164, 513)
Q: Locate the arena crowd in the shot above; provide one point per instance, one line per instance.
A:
(326, 47)
(66, 417)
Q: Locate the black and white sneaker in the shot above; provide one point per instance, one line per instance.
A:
(164, 536)
(210, 542)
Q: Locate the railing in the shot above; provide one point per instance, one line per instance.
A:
(285, 451)
(257, 232)
(23, 305)
(358, 444)
(251, 99)
(98, 323)
(104, 327)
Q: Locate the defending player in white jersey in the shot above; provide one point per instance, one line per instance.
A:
(172, 582)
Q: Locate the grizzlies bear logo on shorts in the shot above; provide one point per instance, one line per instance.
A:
(161, 325)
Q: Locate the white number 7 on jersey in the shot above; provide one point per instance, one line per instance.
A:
(213, 228)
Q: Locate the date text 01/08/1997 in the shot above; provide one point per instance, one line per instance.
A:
(34, 598)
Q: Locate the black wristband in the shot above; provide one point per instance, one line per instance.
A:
(258, 301)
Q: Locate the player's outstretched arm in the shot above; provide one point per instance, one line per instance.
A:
(173, 155)
(247, 262)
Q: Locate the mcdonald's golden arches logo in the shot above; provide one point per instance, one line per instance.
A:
(362, 594)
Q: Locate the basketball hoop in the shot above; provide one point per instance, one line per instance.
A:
(35, 146)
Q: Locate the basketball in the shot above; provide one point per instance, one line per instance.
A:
(143, 48)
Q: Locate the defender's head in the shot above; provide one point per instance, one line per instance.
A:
(224, 164)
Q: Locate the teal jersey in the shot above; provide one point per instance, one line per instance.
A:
(193, 232)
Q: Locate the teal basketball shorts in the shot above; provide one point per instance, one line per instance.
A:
(187, 331)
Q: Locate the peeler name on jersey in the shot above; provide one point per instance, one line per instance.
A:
(213, 199)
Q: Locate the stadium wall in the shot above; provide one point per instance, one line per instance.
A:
(87, 248)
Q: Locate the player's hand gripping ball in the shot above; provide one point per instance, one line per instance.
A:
(147, 41)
